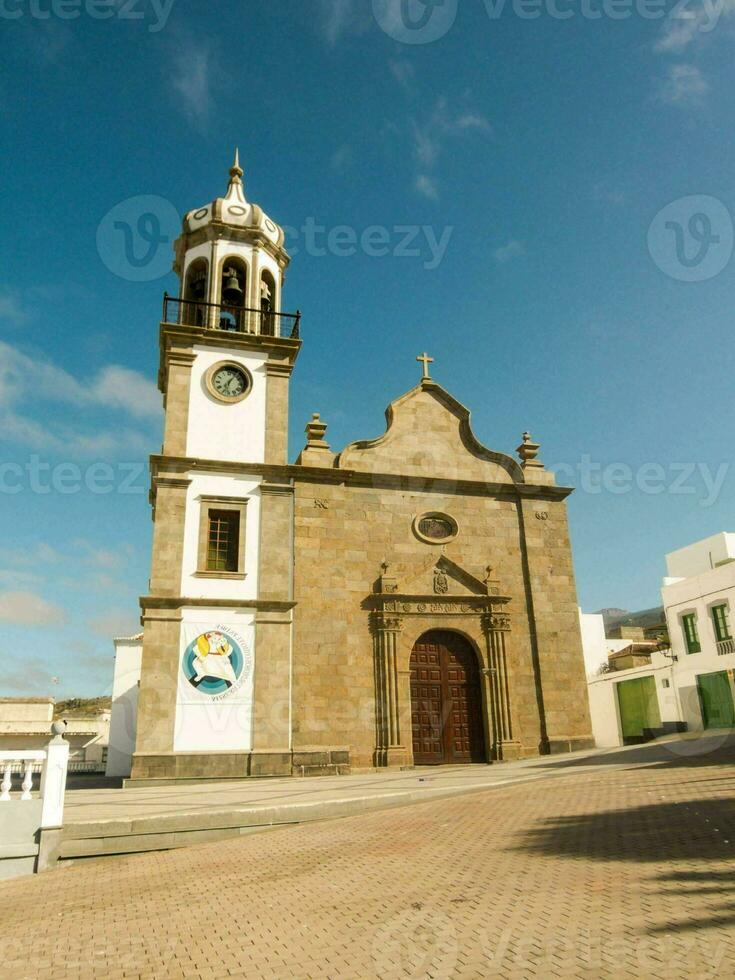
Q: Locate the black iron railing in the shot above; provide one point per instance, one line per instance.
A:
(238, 319)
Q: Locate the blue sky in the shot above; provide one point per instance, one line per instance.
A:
(539, 151)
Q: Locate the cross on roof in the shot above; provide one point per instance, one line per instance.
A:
(426, 361)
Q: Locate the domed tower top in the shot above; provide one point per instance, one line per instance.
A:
(231, 262)
(235, 211)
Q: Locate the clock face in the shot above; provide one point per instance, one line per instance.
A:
(230, 382)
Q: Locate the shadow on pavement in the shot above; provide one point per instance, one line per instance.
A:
(688, 830)
(705, 750)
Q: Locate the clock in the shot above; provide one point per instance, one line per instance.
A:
(228, 382)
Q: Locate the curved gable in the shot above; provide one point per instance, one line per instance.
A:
(429, 435)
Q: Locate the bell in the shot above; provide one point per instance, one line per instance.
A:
(198, 287)
(231, 292)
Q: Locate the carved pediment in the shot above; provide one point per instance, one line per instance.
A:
(439, 576)
(429, 435)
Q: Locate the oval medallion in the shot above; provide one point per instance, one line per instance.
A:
(435, 528)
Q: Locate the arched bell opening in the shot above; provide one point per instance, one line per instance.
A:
(233, 290)
(268, 325)
(195, 293)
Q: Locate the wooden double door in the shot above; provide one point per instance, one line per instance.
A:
(446, 701)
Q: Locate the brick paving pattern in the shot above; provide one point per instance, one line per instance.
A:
(622, 873)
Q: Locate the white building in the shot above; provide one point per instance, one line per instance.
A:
(25, 723)
(690, 686)
(698, 595)
(594, 642)
(124, 717)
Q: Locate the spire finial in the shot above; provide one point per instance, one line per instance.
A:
(528, 451)
(236, 169)
(235, 188)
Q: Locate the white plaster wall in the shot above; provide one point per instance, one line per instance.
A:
(701, 556)
(594, 644)
(209, 485)
(124, 715)
(224, 724)
(603, 698)
(231, 432)
(698, 594)
(604, 713)
(14, 712)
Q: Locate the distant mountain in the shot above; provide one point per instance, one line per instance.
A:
(622, 617)
(82, 707)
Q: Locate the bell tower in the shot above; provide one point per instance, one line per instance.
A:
(217, 619)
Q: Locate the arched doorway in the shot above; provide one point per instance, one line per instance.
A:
(446, 701)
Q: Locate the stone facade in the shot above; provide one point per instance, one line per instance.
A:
(348, 522)
(349, 560)
(347, 587)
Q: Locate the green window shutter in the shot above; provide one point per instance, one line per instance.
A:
(691, 634)
(722, 626)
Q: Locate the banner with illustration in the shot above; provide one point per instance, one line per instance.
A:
(214, 709)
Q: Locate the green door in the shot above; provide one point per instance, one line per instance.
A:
(715, 698)
(638, 704)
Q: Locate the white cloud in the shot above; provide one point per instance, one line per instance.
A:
(686, 25)
(191, 77)
(35, 678)
(431, 135)
(37, 554)
(335, 17)
(427, 186)
(676, 35)
(91, 554)
(510, 251)
(10, 309)
(14, 577)
(116, 623)
(341, 158)
(114, 387)
(683, 85)
(403, 72)
(120, 387)
(340, 17)
(426, 144)
(472, 120)
(29, 609)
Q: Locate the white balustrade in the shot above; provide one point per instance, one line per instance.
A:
(22, 762)
(52, 762)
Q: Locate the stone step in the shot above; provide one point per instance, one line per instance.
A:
(86, 839)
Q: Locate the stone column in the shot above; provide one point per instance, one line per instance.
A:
(495, 627)
(278, 374)
(273, 653)
(176, 376)
(389, 750)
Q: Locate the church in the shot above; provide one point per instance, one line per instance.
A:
(406, 600)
